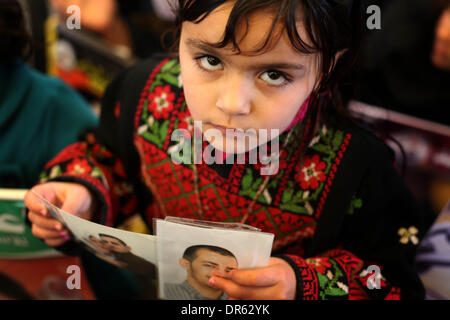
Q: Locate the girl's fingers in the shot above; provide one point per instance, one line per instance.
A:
(44, 222)
(261, 277)
(48, 233)
(55, 242)
(46, 191)
(239, 292)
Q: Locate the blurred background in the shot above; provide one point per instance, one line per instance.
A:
(401, 90)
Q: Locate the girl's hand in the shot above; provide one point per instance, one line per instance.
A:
(277, 281)
(73, 198)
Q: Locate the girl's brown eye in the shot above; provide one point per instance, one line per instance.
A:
(213, 61)
(274, 78)
(274, 75)
(209, 63)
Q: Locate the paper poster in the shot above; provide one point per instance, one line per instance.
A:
(189, 254)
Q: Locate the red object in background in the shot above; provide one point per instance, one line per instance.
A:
(76, 78)
(46, 278)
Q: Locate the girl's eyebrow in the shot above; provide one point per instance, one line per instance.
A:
(202, 45)
(281, 65)
(209, 48)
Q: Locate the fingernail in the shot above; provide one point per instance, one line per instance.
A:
(63, 234)
(212, 282)
(67, 238)
(42, 212)
(58, 227)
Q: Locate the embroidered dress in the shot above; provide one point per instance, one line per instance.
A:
(333, 215)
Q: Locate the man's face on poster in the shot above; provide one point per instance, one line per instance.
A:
(99, 245)
(114, 245)
(208, 263)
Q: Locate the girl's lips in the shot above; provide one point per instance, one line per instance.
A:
(233, 132)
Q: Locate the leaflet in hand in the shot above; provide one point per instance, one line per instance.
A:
(135, 253)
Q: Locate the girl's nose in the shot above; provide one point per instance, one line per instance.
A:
(235, 96)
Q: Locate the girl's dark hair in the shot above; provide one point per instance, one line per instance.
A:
(331, 27)
(14, 38)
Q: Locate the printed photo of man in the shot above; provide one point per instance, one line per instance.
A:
(100, 250)
(200, 263)
(144, 270)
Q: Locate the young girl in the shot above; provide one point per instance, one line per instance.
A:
(337, 207)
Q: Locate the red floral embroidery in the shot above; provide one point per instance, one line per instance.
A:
(312, 172)
(161, 102)
(77, 149)
(394, 294)
(320, 264)
(100, 151)
(79, 166)
(186, 121)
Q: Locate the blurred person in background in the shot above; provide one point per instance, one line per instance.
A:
(441, 50)
(405, 65)
(39, 115)
(131, 27)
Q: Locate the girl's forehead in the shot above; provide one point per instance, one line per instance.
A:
(250, 34)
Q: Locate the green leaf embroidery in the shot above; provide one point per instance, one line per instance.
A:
(155, 128)
(337, 140)
(335, 292)
(145, 110)
(169, 65)
(321, 148)
(96, 172)
(170, 79)
(323, 280)
(257, 183)
(294, 208)
(43, 177)
(298, 197)
(287, 195)
(152, 138)
(247, 180)
(356, 203)
(163, 130)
